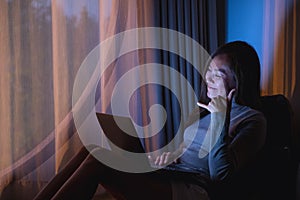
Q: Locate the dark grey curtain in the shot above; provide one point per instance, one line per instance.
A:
(202, 20)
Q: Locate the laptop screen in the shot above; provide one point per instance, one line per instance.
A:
(118, 136)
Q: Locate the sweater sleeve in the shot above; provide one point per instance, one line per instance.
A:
(230, 154)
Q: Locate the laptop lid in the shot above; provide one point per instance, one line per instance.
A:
(119, 137)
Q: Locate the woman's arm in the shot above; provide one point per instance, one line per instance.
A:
(230, 154)
(226, 154)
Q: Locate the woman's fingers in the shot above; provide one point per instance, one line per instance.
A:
(163, 159)
(217, 104)
(167, 158)
(151, 159)
(202, 105)
(157, 160)
(230, 95)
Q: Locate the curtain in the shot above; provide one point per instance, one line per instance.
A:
(280, 60)
(43, 44)
(27, 104)
(204, 22)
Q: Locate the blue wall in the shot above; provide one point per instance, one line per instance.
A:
(245, 22)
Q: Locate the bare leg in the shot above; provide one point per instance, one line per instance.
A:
(84, 181)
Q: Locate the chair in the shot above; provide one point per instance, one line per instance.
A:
(278, 157)
(273, 175)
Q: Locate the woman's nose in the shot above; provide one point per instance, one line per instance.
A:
(209, 79)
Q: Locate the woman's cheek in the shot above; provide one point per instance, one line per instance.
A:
(221, 88)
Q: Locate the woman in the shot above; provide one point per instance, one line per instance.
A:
(220, 149)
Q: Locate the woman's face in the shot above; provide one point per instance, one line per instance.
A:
(219, 78)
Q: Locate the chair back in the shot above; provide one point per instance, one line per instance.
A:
(272, 175)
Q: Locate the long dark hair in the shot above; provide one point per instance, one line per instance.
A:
(244, 62)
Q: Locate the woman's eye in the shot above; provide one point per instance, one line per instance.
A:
(218, 75)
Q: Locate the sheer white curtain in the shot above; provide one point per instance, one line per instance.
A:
(43, 44)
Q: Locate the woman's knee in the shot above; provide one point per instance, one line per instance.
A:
(85, 151)
(88, 148)
(92, 161)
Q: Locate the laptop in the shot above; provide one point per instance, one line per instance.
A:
(128, 142)
(118, 136)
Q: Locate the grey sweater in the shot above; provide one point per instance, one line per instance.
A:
(220, 154)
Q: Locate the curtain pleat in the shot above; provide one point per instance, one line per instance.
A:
(75, 34)
(5, 94)
(279, 48)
